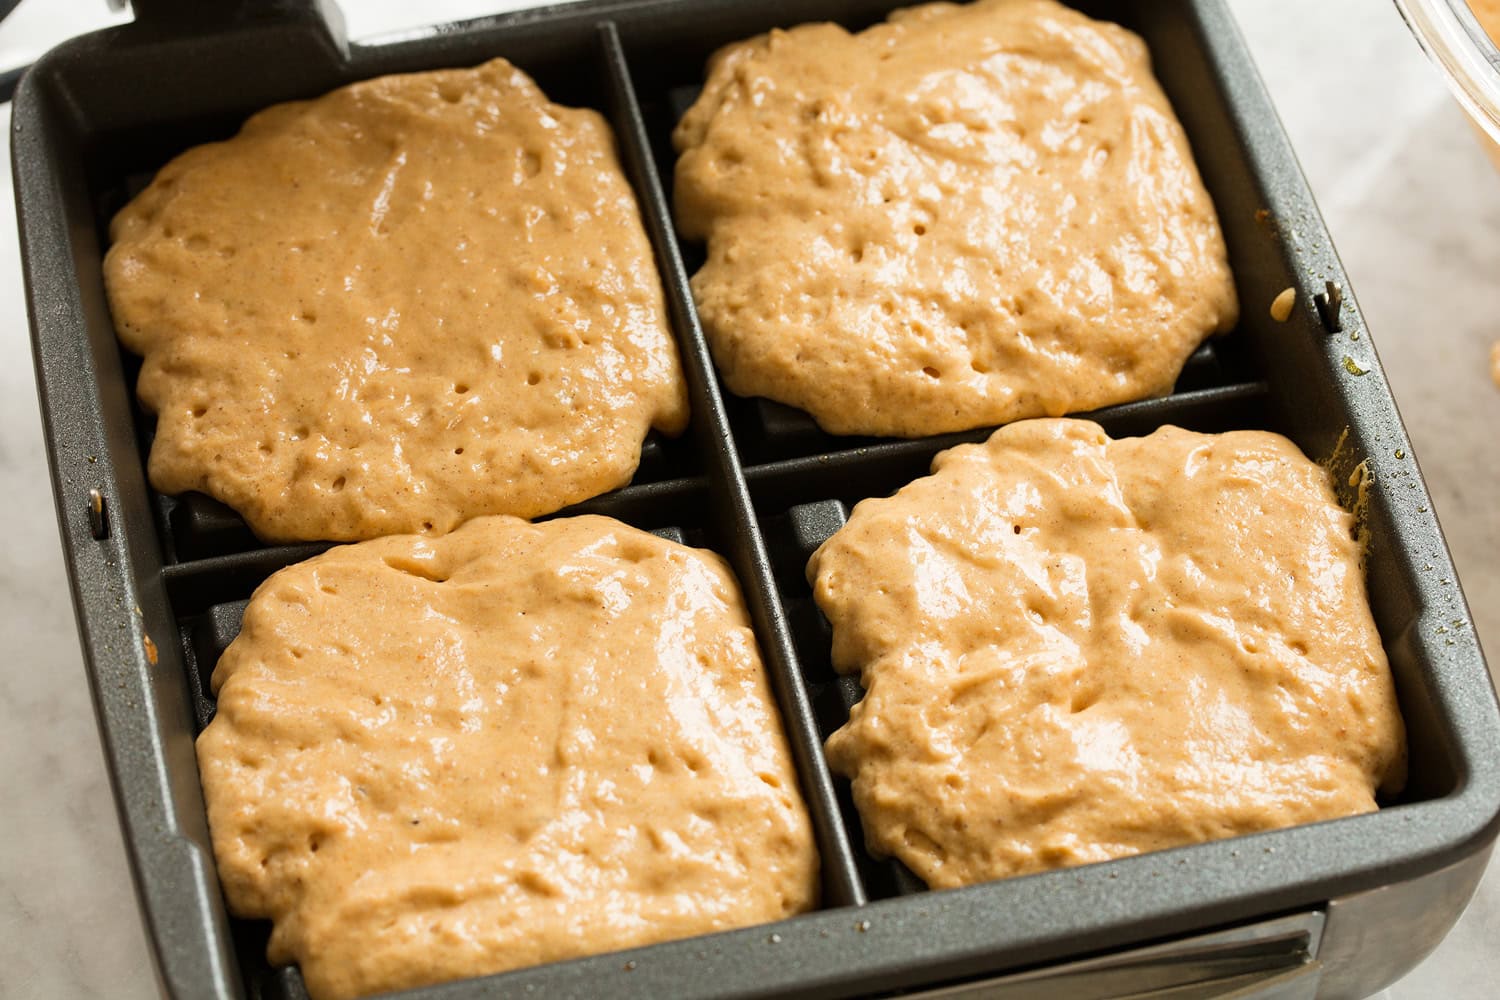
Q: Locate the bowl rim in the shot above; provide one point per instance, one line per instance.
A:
(1464, 53)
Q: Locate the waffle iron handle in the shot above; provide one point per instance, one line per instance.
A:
(1273, 959)
(199, 15)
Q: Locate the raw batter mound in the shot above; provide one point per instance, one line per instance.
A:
(415, 300)
(957, 218)
(444, 757)
(1076, 649)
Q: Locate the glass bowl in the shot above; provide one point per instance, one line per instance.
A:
(1453, 38)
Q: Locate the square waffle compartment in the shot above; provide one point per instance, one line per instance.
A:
(761, 484)
(208, 620)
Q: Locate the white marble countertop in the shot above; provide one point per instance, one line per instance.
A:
(1414, 208)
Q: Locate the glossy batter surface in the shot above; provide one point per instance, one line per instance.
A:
(1487, 13)
(437, 758)
(962, 216)
(1076, 649)
(412, 301)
